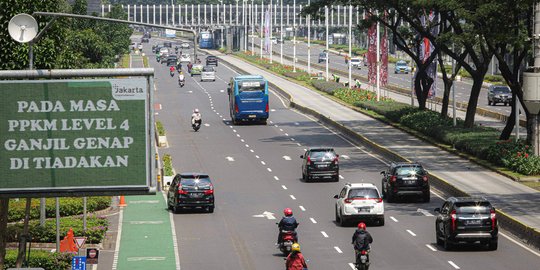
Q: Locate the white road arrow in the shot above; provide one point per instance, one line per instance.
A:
(206, 125)
(230, 158)
(266, 214)
(286, 157)
(345, 156)
(425, 212)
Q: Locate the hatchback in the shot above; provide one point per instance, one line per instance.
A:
(208, 73)
(320, 163)
(191, 190)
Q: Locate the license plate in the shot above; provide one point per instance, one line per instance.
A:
(473, 222)
(409, 182)
(196, 195)
(363, 258)
(322, 166)
(252, 116)
(363, 209)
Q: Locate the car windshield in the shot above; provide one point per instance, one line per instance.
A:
(473, 208)
(409, 170)
(365, 193)
(325, 154)
(355, 60)
(208, 69)
(501, 90)
(401, 64)
(192, 182)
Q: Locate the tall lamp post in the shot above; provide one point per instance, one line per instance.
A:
(281, 34)
(294, 36)
(309, 41)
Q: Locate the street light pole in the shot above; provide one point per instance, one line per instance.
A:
(378, 83)
(262, 30)
(327, 52)
(350, 46)
(271, 25)
(454, 89)
(309, 41)
(253, 27)
(281, 34)
(294, 35)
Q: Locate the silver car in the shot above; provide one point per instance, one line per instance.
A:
(208, 73)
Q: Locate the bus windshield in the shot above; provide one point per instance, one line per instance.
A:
(251, 86)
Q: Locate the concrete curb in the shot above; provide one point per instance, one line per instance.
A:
(526, 234)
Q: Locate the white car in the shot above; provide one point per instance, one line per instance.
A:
(356, 62)
(359, 201)
(274, 40)
(164, 51)
(185, 57)
(208, 74)
(140, 47)
(184, 45)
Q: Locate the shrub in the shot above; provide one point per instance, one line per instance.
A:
(95, 232)
(160, 128)
(299, 76)
(42, 259)
(68, 207)
(167, 165)
(494, 78)
(352, 96)
(328, 87)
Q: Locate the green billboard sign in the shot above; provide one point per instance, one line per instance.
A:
(75, 137)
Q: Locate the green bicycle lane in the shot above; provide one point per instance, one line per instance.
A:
(147, 240)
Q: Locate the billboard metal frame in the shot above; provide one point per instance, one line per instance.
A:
(150, 187)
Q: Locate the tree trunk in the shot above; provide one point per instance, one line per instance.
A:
(446, 98)
(24, 237)
(510, 122)
(4, 206)
(473, 99)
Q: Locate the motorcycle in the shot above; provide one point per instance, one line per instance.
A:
(171, 73)
(196, 125)
(362, 260)
(287, 240)
(181, 83)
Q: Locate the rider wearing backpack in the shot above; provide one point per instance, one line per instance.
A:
(361, 238)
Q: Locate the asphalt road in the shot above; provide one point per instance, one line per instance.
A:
(463, 88)
(256, 168)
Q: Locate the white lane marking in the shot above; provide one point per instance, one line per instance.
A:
(212, 107)
(257, 156)
(453, 265)
(302, 208)
(230, 158)
(411, 233)
(118, 237)
(296, 123)
(190, 91)
(352, 266)
(247, 145)
(275, 125)
(272, 110)
(136, 202)
(425, 212)
(286, 158)
(304, 148)
(341, 176)
(292, 139)
(263, 163)
(234, 130)
(206, 124)
(175, 241)
(270, 170)
(345, 156)
(281, 129)
(286, 134)
(277, 178)
(146, 222)
(242, 140)
(313, 220)
(230, 126)
(238, 135)
(520, 244)
(324, 234)
(137, 259)
(222, 90)
(251, 150)
(271, 122)
(394, 219)
(430, 247)
(292, 197)
(338, 249)
(284, 187)
(300, 145)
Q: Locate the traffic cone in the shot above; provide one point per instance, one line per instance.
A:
(122, 202)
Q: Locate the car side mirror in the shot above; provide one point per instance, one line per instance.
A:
(437, 210)
(336, 196)
(301, 156)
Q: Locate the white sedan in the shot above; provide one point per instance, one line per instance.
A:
(185, 57)
(184, 45)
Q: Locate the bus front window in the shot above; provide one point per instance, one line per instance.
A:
(251, 86)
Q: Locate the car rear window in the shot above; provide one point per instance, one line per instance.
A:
(501, 90)
(409, 170)
(473, 207)
(208, 69)
(199, 182)
(324, 154)
(365, 193)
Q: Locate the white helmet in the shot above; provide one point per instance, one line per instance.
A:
(196, 111)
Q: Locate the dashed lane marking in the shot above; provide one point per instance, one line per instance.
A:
(238, 135)
(352, 266)
(281, 129)
(230, 158)
(300, 145)
(292, 197)
(302, 208)
(286, 158)
(394, 219)
(324, 234)
(313, 220)
(251, 150)
(338, 249)
(257, 157)
(247, 145)
(286, 134)
(453, 265)
(206, 124)
(242, 140)
(263, 163)
(430, 247)
(284, 187)
(341, 176)
(270, 170)
(411, 233)
(276, 178)
(345, 157)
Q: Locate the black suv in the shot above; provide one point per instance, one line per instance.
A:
(211, 61)
(191, 190)
(320, 162)
(466, 219)
(405, 178)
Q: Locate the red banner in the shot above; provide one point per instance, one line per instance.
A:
(372, 54)
(384, 58)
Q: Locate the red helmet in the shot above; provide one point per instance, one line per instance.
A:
(287, 212)
(362, 226)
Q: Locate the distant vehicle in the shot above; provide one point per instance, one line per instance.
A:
(468, 220)
(356, 62)
(404, 178)
(274, 40)
(163, 50)
(185, 57)
(206, 41)
(208, 74)
(157, 48)
(147, 35)
(359, 201)
(172, 60)
(184, 45)
(133, 45)
(167, 44)
(144, 40)
(320, 162)
(402, 67)
(191, 190)
(196, 69)
(248, 99)
(140, 47)
(211, 61)
(499, 94)
(322, 57)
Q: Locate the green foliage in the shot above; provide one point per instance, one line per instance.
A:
(167, 165)
(352, 96)
(68, 207)
(494, 78)
(327, 87)
(299, 75)
(95, 229)
(517, 156)
(42, 259)
(160, 128)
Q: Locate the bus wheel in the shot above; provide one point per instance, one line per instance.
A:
(263, 122)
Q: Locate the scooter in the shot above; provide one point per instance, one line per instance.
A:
(362, 260)
(196, 125)
(171, 73)
(287, 240)
(181, 83)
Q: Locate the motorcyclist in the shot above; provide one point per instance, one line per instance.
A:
(287, 223)
(295, 260)
(361, 239)
(181, 77)
(171, 69)
(196, 117)
(179, 66)
(189, 66)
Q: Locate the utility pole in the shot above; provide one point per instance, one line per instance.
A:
(531, 81)
(327, 52)
(309, 41)
(350, 46)
(281, 34)
(271, 25)
(262, 29)
(294, 35)
(378, 83)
